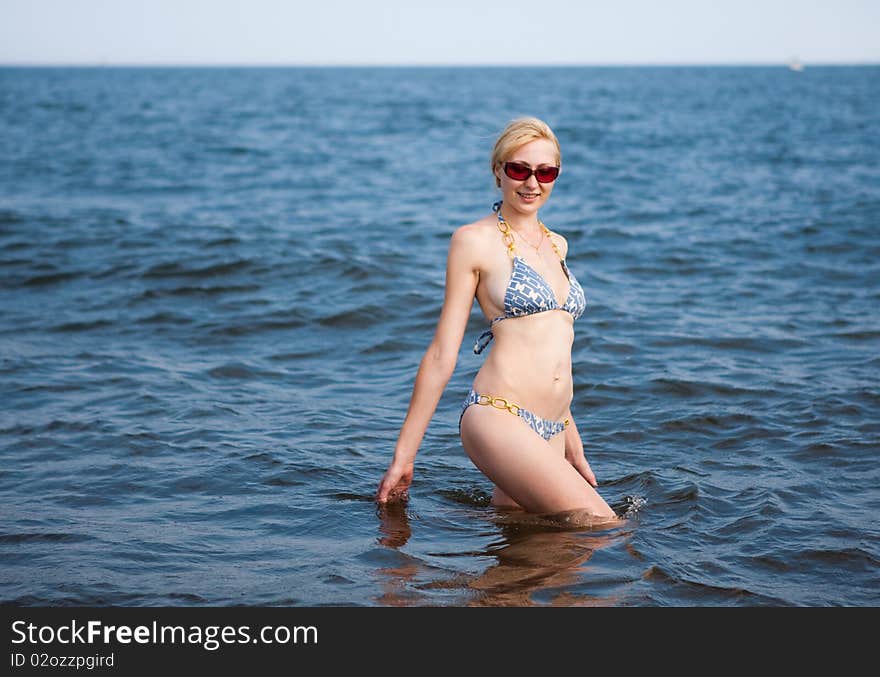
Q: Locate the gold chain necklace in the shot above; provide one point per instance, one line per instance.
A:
(525, 239)
(507, 232)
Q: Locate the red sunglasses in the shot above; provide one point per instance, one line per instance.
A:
(520, 172)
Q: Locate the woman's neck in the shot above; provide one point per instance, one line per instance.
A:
(522, 223)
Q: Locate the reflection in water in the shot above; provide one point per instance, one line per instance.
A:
(534, 555)
(394, 532)
(394, 524)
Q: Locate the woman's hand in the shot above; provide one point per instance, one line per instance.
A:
(574, 453)
(579, 461)
(395, 483)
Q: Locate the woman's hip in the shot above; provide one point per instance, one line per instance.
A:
(545, 427)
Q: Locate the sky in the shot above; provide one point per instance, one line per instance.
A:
(452, 32)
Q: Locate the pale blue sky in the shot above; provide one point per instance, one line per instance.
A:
(450, 32)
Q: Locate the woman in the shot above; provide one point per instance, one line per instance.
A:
(515, 425)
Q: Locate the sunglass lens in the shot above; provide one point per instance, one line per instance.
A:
(546, 174)
(516, 171)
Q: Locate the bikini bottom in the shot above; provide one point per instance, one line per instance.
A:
(543, 426)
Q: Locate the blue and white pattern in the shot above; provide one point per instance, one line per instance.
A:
(529, 293)
(543, 426)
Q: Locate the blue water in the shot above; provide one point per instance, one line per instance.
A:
(216, 286)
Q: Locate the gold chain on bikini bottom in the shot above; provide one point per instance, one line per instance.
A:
(503, 403)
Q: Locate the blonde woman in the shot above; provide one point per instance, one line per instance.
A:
(516, 423)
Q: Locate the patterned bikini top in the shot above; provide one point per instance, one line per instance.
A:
(528, 292)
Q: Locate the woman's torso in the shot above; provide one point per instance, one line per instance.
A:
(529, 361)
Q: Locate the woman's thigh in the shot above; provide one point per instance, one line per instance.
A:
(524, 465)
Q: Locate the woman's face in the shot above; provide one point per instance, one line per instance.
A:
(528, 196)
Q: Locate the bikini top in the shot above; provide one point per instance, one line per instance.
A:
(528, 292)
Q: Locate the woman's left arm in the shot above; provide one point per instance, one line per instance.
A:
(574, 446)
(574, 451)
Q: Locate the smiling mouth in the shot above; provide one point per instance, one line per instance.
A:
(528, 195)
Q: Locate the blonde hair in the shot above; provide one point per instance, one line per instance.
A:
(517, 134)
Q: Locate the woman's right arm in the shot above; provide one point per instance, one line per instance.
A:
(438, 362)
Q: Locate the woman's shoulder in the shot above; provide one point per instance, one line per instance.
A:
(471, 245)
(475, 234)
(561, 242)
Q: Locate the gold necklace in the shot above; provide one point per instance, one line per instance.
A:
(537, 249)
(507, 232)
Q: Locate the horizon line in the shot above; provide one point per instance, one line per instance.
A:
(585, 64)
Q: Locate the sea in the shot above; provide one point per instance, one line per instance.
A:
(216, 285)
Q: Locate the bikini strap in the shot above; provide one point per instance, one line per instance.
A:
(552, 243)
(506, 234)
